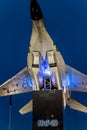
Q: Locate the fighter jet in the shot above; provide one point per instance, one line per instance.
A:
(46, 69)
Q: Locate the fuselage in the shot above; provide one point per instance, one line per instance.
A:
(43, 59)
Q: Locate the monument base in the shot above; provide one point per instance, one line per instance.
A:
(48, 110)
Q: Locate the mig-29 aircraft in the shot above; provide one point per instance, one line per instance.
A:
(46, 69)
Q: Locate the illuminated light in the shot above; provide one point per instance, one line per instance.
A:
(52, 115)
(40, 77)
(27, 82)
(71, 80)
(45, 71)
(67, 80)
(53, 79)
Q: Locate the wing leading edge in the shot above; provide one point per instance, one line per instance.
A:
(22, 82)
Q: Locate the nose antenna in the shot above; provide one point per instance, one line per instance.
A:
(35, 10)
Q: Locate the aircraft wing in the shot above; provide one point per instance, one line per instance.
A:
(75, 80)
(20, 83)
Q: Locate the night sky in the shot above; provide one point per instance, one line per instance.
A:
(66, 22)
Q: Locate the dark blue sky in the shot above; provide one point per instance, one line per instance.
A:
(66, 22)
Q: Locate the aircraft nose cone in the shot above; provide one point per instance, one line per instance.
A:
(35, 10)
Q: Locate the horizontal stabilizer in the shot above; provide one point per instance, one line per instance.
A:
(27, 108)
(76, 105)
